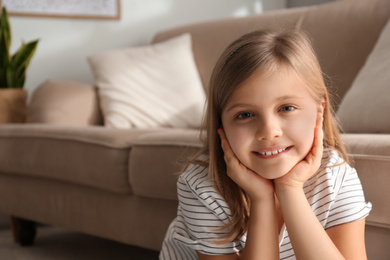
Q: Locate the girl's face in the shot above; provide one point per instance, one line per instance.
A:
(269, 122)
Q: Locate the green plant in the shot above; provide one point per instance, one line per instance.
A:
(13, 68)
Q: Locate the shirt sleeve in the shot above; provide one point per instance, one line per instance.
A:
(349, 203)
(202, 215)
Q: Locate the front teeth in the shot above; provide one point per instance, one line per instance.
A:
(273, 152)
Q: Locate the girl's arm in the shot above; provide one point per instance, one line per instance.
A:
(308, 237)
(349, 239)
(262, 236)
(310, 240)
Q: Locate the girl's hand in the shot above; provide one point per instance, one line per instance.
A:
(304, 169)
(257, 187)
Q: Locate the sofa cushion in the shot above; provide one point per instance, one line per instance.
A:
(158, 158)
(210, 38)
(91, 156)
(342, 43)
(150, 86)
(64, 103)
(365, 107)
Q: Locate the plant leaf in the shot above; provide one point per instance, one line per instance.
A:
(5, 42)
(5, 27)
(24, 54)
(16, 77)
(13, 69)
(4, 61)
(11, 78)
(3, 78)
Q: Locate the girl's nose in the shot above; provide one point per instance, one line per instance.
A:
(268, 129)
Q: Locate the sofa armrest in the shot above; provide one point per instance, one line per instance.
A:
(64, 103)
(371, 155)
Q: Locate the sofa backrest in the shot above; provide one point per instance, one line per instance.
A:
(343, 32)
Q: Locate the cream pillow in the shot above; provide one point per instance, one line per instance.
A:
(150, 86)
(366, 106)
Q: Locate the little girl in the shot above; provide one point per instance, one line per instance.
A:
(273, 179)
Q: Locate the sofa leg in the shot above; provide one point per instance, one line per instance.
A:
(23, 230)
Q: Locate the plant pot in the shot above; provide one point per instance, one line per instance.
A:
(13, 105)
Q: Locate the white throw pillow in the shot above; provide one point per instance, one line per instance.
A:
(366, 106)
(150, 86)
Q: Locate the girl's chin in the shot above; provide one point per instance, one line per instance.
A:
(273, 174)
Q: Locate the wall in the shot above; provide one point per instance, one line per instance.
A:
(65, 43)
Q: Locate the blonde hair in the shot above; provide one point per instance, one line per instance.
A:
(261, 51)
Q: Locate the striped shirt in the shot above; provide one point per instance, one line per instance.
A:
(334, 193)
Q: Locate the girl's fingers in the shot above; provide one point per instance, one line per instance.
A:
(227, 150)
(318, 143)
(255, 186)
(319, 136)
(312, 162)
(235, 169)
(224, 143)
(222, 136)
(231, 161)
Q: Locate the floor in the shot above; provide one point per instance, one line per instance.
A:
(54, 243)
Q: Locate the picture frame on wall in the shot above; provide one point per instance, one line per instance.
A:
(82, 9)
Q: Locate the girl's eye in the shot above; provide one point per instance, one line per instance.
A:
(287, 108)
(244, 115)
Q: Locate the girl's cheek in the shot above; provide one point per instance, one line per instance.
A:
(237, 137)
(233, 135)
(303, 132)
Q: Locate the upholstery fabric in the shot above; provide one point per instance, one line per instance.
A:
(150, 86)
(64, 103)
(365, 107)
(345, 40)
(88, 156)
(121, 184)
(371, 155)
(128, 219)
(342, 43)
(146, 176)
(210, 38)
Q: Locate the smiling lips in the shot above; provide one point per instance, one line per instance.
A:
(272, 153)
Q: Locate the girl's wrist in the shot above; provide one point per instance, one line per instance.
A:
(282, 189)
(262, 199)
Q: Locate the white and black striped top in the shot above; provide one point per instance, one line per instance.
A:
(334, 193)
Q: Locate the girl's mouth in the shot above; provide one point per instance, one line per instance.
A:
(273, 153)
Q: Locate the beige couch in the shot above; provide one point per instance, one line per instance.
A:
(65, 169)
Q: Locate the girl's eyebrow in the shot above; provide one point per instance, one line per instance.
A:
(282, 98)
(237, 106)
(278, 99)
